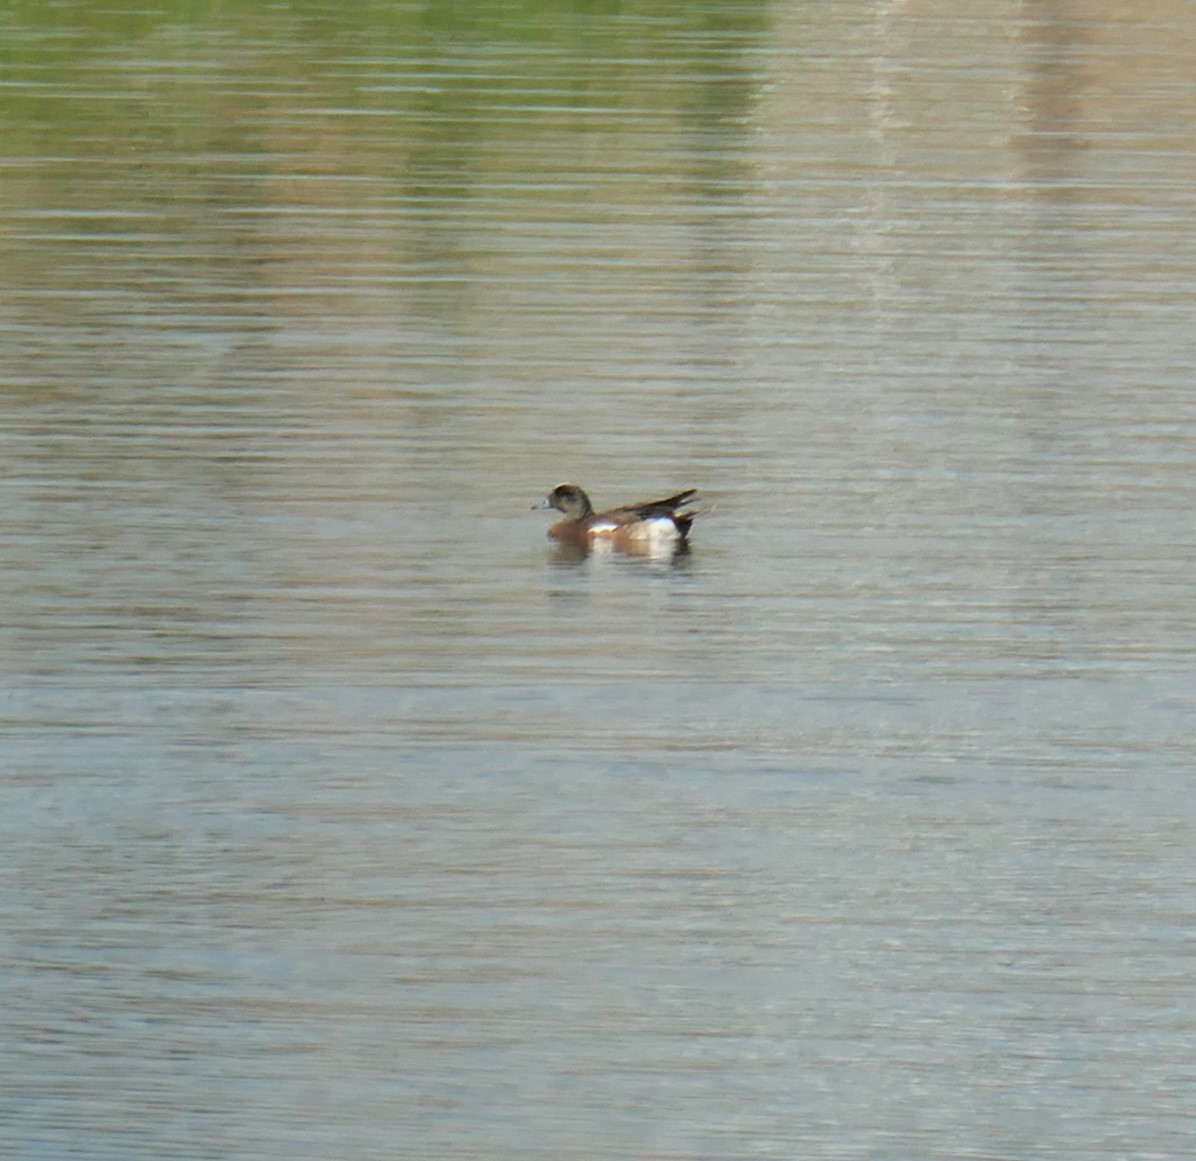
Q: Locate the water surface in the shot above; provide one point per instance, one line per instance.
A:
(343, 818)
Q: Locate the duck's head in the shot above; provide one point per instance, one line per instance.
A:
(568, 499)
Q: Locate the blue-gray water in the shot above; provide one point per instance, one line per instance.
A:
(341, 818)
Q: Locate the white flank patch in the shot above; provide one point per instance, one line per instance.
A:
(656, 535)
(658, 530)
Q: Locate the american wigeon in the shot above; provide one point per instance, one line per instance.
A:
(648, 526)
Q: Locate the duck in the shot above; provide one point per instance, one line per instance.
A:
(648, 526)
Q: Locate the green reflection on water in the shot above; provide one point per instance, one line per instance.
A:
(90, 76)
(176, 110)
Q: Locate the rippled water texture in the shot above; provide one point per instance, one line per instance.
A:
(343, 817)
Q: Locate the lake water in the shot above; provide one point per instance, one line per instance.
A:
(342, 818)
